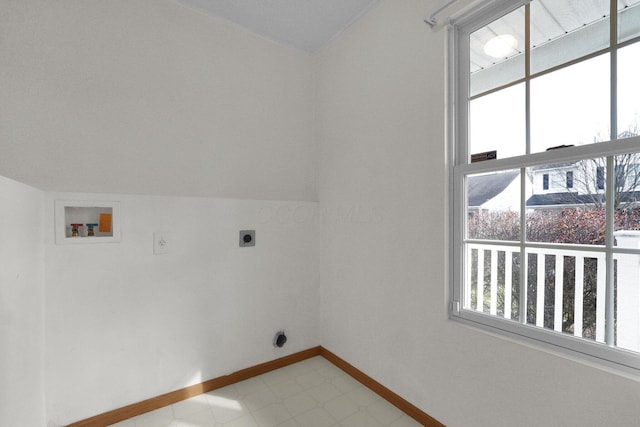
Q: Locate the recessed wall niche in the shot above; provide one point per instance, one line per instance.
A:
(87, 221)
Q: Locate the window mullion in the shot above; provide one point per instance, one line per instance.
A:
(613, 42)
(609, 243)
(523, 255)
(527, 74)
(523, 184)
(609, 334)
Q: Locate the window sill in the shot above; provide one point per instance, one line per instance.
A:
(565, 346)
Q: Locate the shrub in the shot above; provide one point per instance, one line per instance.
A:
(580, 225)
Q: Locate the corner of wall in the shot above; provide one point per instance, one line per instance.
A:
(21, 304)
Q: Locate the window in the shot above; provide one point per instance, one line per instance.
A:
(600, 177)
(554, 252)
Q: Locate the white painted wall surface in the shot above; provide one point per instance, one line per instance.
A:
(124, 325)
(384, 281)
(151, 97)
(21, 305)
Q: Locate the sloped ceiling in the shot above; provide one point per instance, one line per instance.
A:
(304, 24)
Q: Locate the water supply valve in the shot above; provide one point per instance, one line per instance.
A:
(90, 231)
(75, 230)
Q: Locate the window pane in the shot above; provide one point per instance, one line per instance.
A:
(497, 122)
(564, 213)
(563, 30)
(566, 292)
(497, 53)
(628, 19)
(627, 193)
(493, 280)
(552, 178)
(571, 105)
(629, 90)
(493, 202)
(627, 235)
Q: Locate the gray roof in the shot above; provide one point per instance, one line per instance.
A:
(482, 188)
(557, 199)
(566, 198)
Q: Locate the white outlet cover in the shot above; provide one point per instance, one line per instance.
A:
(160, 243)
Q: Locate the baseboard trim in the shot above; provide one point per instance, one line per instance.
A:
(170, 398)
(397, 401)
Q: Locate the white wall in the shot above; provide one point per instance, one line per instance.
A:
(21, 305)
(124, 325)
(384, 281)
(151, 97)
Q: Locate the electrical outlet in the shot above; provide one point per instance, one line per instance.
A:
(247, 238)
(160, 243)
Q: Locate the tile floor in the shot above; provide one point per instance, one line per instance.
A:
(311, 393)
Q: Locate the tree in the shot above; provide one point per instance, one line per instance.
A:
(589, 182)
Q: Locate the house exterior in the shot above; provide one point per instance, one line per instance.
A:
(573, 184)
(495, 191)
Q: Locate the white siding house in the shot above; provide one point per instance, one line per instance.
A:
(494, 192)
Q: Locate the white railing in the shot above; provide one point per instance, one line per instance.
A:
(626, 277)
(557, 264)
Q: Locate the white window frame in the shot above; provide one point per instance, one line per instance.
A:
(456, 132)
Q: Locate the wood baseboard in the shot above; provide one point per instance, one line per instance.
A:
(397, 401)
(170, 398)
(157, 402)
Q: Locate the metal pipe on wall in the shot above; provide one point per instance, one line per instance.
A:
(431, 16)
